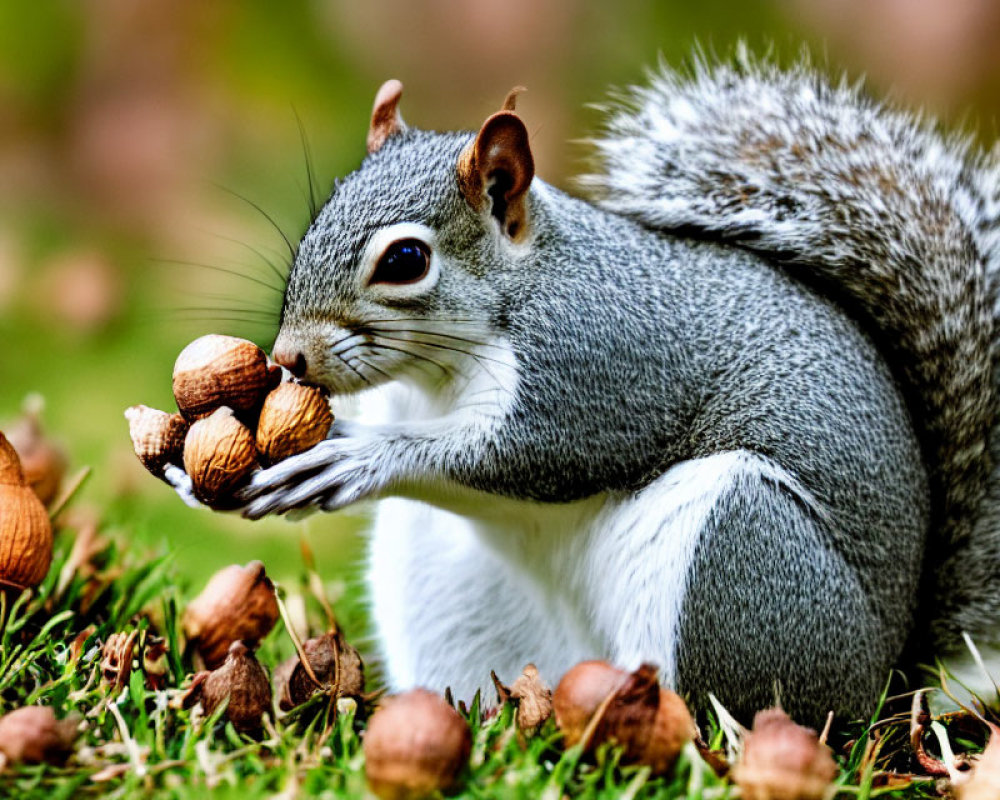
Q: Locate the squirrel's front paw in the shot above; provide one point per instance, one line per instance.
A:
(181, 482)
(333, 474)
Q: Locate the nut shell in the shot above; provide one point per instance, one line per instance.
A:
(219, 455)
(244, 682)
(783, 761)
(32, 735)
(25, 529)
(43, 462)
(416, 744)
(157, 437)
(215, 371)
(237, 604)
(650, 723)
(294, 418)
(579, 694)
(334, 662)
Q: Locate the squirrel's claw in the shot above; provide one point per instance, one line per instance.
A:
(181, 482)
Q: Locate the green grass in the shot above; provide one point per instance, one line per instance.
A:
(134, 741)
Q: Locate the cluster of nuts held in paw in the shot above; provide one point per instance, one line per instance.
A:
(235, 416)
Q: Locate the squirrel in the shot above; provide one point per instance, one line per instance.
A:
(734, 413)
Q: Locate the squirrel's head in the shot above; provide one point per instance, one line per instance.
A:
(398, 274)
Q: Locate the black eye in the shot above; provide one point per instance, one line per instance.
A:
(406, 261)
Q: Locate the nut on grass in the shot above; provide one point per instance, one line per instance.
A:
(242, 681)
(237, 604)
(783, 761)
(25, 529)
(42, 460)
(580, 694)
(416, 744)
(294, 418)
(157, 437)
(215, 371)
(651, 724)
(33, 735)
(219, 456)
(334, 662)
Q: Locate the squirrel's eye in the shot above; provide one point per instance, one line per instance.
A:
(406, 261)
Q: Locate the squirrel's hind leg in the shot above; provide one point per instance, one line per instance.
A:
(447, 609)
(773, 613)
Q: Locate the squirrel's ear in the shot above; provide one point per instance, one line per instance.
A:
(386, 120)
(496, 169)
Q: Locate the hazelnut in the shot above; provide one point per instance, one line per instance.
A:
(294, 418)
(216, 371)
(43, 462)
(157, 437)
(783, 761)
(32, 735)
(650, 723)
(335, 664)
(580, 693)
(237, 603)
(219, 455)
(25, 529)
(416, 744)
(243, 682)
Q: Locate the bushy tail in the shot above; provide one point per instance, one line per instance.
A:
(887, 216)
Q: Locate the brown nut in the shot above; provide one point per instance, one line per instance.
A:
(580, 693)
(32, 735)
(783, 761)
(294, 418)
(216, 371)
(237, 604)
(650, 723)
(157, 437)
(43, 462)
(219, 455)
(243, 682)
(25, 529)
(416, 744)
(334, 662)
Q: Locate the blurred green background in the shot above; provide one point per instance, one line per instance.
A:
(137, 137)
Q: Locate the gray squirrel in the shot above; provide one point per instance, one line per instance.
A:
(734, 416)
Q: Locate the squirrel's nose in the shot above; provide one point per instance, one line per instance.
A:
(292, 359)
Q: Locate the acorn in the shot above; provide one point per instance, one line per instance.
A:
(237, 604)
(33, 735)
(157, 437)
(294, 418)
(416, 744)
(334, 662)
(25, 529)
(783, 761)
(219, 456)
(43, 462)
(650, 723)
(244, 683)
(215, 371)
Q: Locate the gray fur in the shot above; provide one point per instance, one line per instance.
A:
(894, 220)
(778, 269)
